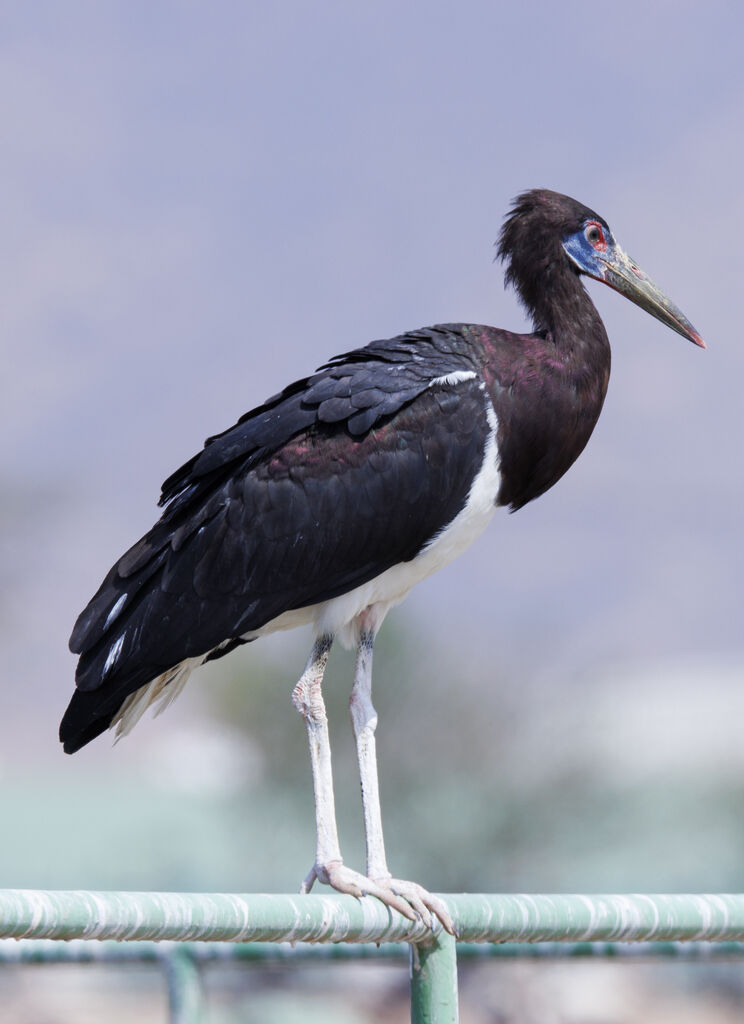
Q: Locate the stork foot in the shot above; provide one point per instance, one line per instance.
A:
(408, 898)
(423, 902)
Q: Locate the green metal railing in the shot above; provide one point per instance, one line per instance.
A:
(194, 928)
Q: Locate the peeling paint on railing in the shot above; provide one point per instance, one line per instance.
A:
(189, 917)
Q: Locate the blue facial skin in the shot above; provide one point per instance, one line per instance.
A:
(583, 252)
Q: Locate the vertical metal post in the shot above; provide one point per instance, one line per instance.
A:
(185, 994)
(434, 981)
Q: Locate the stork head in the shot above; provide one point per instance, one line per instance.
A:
(548, 235)
(594, 251)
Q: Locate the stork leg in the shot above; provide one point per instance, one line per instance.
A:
(308, 699)
(328, 866)
(364, 721)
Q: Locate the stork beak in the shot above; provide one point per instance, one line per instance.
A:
(622, 274)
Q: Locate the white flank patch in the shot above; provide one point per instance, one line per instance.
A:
(389, 589)
(457, 377)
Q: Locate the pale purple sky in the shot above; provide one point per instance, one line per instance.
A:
(202, 202)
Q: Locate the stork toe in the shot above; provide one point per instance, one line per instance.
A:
(423, 902)
(354, 883)
(411, 900)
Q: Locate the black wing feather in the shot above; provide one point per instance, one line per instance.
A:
(328, 484)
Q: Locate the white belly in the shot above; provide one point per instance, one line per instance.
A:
(339, 616)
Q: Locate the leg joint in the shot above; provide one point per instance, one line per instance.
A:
(363, 714)
(307, 696)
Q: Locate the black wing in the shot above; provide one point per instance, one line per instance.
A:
(316, 492)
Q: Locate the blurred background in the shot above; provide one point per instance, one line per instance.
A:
(201, 203)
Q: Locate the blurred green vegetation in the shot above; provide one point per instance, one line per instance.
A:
(472, 801)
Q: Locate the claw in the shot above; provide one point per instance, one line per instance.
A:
(423, 902)
(410, 899)
(345, 879)
(309, 880)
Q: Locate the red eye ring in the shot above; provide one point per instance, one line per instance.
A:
(594, 234)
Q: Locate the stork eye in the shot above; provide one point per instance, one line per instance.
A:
(594, 235)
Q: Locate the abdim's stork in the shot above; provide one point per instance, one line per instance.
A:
(326, 504)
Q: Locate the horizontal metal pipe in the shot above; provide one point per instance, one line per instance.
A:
(50, 951)
(334, 918)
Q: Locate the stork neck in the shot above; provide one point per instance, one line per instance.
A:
(566, 313)
(547, 387)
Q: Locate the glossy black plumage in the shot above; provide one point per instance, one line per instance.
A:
(294, 505)
(349, 472)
